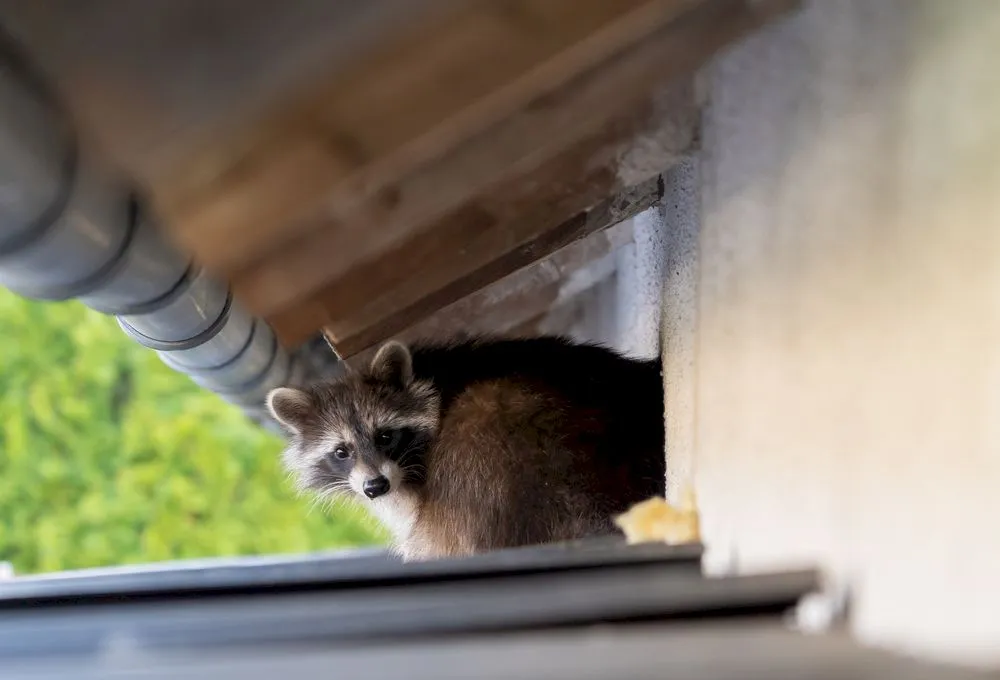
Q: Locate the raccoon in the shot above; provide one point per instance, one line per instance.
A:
(474, 445)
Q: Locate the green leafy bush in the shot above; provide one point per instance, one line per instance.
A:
(109, 457)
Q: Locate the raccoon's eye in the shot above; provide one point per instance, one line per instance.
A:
(388, 439)
(341, 453)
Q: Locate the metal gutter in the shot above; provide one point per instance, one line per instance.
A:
(71, 228)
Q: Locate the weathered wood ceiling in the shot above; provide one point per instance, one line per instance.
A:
(360, 166)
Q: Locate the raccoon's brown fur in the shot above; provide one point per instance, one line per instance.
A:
(484, 444)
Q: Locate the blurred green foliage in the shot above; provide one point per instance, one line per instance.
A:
(108, 457)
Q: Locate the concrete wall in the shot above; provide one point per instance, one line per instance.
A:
(638, 290)
(616, 301)
(833, 330)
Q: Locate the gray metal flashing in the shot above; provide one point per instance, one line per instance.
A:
(339, 569)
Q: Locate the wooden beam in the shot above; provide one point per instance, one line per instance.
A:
(353, 154)
(622, 92)
(525, 294)
(372, 162)
(237, 173)
(424, 273)
(372, 135)
(281, 132)
(532, 172)
(530, 291)
(359, 332)
(527, 303)
(161, 83)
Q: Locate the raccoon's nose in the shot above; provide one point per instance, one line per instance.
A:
(379, 486)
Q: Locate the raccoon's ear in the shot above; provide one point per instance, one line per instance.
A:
(393, 364)
(290, 407)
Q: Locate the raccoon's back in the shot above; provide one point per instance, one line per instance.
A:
(539, 441)
(626, 394)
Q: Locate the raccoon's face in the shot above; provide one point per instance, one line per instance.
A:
(364, 434)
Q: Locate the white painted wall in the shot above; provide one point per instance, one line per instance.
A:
(833, 333)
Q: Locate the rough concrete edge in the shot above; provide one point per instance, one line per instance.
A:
(681, 213)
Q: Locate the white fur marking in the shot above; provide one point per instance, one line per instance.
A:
(397, 510)
(359, 475)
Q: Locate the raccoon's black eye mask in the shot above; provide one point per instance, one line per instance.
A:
(388, 440)
(395, 442)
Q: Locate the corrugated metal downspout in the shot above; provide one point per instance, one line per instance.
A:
(71, 228)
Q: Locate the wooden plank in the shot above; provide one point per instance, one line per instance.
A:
(359, 309)
(528, 174)
(367, 222)
(237, 173)
(375, 323)
(556, 197)
(470, 128)
(529, 291)
(625, 87)
(382, 120)
(508, 304)
(157, 81)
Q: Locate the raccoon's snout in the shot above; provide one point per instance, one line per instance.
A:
(378, 486)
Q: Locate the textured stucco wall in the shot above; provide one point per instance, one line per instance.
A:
(639, 282)
(840, 376)
(616, 301)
